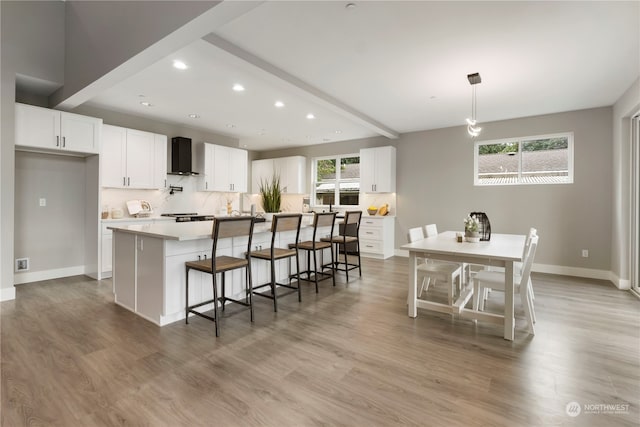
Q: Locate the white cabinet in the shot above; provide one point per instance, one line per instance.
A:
(56, 131)
(224, 168)
(291, 170)
(378, 170)
(377, 236)
(133, 158)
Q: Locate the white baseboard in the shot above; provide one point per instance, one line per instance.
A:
(56, 273)
(589, 273)
(7, 294)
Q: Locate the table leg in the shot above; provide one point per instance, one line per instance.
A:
(509, 320)
(413, 312)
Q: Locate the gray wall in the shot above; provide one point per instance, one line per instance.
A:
(52, 236)
(435, 185)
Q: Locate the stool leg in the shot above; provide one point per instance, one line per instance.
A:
(359, 261)
(224, 275)
(186, 304)
(315, 268)
(346, 261)
(273, 285)
(250, 285)
(333, 271)
(215, 302)
(298, 276)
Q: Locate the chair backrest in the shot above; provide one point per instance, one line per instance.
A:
(351, 225)
(285, 222)
(324, 219)
(528, 261)
(415, 234)
(431, 230)
(232, 227)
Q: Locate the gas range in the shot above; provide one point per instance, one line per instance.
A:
(188, 217)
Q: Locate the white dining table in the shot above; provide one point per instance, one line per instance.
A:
(502, 250)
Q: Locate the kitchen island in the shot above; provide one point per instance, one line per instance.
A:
(149, 265)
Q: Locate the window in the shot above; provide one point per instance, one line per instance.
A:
(331, 183)
(543, 159)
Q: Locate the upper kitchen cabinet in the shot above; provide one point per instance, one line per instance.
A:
(43, 129)
(291, 171)
(378, 170)
(133, 159)
(224, 168)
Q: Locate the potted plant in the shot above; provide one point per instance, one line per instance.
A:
(271, 195)
(471, 229)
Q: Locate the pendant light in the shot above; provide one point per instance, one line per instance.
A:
(472, 127)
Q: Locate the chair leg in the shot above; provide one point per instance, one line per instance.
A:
(333, 271)
(315, 268)
(528, 308)
(298, 277)
(250, 285)
(359, 260)
(346, 262)
(476, 294)
(186, 299)
(224, 274)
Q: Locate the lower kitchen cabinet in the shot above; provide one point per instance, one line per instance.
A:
(377, 236)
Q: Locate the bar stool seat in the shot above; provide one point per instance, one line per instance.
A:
(223, 263)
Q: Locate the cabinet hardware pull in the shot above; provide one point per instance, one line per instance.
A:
(141, 245)
(57, 140)
(206, 185)
(129, 182)
(64, 141)
(124, 181)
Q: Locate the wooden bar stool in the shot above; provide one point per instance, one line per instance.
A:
(223, 228)
(320, 220)
(346, 239)
(288, 222)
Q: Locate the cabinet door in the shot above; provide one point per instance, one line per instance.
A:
(124, 277)
(261, 170)
(238, 163)
(206, 166)
(160, 161)
(367, 170)
(292, 174)
(385, 170)
(37, 127)
(113, 157)
(107, 252)
(140, 159)
(221, 168)
(80, 133)
(150, 277)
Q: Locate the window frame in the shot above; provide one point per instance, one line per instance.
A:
(519, 141)
(338, 158)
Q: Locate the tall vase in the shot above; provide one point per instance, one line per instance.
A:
(268, 216)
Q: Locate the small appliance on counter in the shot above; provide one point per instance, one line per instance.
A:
(192, 216)
(139, 208)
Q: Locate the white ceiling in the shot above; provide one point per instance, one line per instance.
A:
(384, 68)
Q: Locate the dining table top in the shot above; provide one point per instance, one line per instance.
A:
(506, 247)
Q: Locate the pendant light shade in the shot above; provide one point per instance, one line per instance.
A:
(472, 125)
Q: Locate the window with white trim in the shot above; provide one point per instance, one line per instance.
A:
(541, 159)
(331, 183)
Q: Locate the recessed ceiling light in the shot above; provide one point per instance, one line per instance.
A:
(145, 103)
(310, 116)
(238, 87)
(179, 65)
(229, 125)
(279, 104)
(194, 116)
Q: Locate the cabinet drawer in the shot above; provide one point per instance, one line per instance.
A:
(371, 246)
(371, 223)
(174, 247)
(370, 233)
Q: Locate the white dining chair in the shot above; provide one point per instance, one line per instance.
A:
(430, 270)
(522, 285)
(431, 230)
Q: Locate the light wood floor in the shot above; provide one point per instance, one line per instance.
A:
(348, 356)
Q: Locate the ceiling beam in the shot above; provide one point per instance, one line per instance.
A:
(301, 87)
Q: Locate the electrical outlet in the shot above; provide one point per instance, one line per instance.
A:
(43, 202)
(22, 264)
(585, 253)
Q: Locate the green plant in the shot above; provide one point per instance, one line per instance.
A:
(271, 194)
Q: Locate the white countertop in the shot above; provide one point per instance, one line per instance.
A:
(134, 219)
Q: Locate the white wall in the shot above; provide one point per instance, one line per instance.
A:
(627, 106)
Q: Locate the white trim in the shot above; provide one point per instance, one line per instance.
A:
(623, 284)
(55, 273)
(8, 294)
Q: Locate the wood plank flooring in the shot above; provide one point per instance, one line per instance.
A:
(348, 356)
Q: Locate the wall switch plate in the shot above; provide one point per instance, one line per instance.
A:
(585, 253)
(43, 202)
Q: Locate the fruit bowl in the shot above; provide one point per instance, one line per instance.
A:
(372, 211)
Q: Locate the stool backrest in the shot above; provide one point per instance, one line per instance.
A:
(351, 225)
(324, 219)
(285, 222)
(431, 230)
(232, 227)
